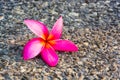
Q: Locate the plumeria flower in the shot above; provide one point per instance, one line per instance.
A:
(46, 43)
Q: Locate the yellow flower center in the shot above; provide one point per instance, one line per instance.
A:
(48, 41)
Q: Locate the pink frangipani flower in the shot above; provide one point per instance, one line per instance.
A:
(46, 43)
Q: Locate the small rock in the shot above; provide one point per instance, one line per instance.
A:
(110, 10)
(80, 62)
(24, 78)
(87, 29)
(86, 43)
(119, 15)
(22, 69)
(18, 10)
(94, 14)
(73, 14)
(84, 4)
(115, 47)
(91, 5)
(53, 12)
(1, 77)
(12, 41)
(45, 4)
(45, 78)
(1, 17)
(81, 77)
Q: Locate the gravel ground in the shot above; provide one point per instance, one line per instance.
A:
(93, 25)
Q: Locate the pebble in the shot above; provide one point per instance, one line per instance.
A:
(1, 17)
(73, 14)
(94, 14)
(81, 77)
(86, 43)
(22, 69)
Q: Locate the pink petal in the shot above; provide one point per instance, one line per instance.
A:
(32, 48)
(37, 27)
(56, 30)
(64, 45)
(49, 56)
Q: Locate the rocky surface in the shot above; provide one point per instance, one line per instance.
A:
(93, 25)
